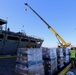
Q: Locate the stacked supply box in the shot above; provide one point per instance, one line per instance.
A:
(66, 59)
(50, 60)
(66, 51)
(66, 55)
(60, 57)
(29, 61)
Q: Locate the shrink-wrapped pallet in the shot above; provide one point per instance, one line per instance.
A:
(30, 54)
(37, 69)
(49, 53)
(60, 52)
(50, 66)
(66, 51)
(29, 61)
(60, 62)
(66, 59)
(50, 60)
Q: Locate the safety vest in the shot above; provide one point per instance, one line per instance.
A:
(72, 53)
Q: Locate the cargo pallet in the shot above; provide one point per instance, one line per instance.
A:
(63, 71)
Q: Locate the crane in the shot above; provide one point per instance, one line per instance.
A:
(61, 41)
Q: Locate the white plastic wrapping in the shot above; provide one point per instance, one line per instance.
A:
(29, 61)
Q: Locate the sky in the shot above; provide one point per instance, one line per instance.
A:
(60, 14)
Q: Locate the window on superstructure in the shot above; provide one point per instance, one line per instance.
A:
(33, 41)
(24, 40)
(13, 38)
(1, 36)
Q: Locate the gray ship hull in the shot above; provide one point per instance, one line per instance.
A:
(10, 41)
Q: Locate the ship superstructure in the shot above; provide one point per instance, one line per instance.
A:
(10, 41)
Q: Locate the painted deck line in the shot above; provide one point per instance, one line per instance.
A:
(4, 57)
(65, 70)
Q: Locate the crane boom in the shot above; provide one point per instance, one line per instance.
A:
(63, 43)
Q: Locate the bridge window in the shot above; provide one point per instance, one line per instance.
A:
(13, 38)
(1, 36)
(24, 40)
(32, 41)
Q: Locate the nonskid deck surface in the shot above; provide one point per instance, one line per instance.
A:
(7, 66)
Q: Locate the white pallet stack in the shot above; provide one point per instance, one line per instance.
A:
(29, 61)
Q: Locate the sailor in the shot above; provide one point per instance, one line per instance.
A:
(8, 29)
(72, 55)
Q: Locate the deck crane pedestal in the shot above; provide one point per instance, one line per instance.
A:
(61, 41)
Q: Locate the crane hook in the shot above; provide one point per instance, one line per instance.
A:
(26, 4)
(26, 8)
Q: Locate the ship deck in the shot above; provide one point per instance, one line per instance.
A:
(7, 66)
